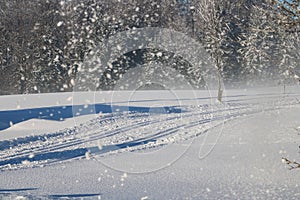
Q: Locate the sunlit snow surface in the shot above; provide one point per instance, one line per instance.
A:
(150, 145)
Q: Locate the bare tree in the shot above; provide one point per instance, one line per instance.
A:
(213, 19)
(272, 41)
(32, 44)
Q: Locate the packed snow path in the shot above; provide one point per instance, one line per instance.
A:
(208, 150)
(114, 133)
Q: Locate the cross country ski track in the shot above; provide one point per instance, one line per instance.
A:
(133, 131)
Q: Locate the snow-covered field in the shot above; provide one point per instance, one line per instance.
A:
(150, 145)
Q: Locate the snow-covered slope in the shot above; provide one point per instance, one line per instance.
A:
(150, 145)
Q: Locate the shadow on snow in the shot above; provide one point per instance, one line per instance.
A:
(60, 113)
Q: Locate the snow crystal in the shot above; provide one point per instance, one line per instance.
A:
(159, 54)
(56, 59)
(88, 155)
(119, 47)
(20, 198)
(108, 76)
(100, 146)
(31, 156)
(59, 24)
(72, 82)
(123, 177)
(26, 162)
(70, 99)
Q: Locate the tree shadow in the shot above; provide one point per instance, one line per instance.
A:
(74, 153)
(5, 191)
(72, 196)
(60, 113)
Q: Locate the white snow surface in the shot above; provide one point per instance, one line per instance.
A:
(185, 146)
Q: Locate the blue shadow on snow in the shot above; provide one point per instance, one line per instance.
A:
(16, 190)
(71, 154)
(72, 196)
(60, 113)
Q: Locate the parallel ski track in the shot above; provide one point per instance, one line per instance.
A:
(104, 132)
(96, 134)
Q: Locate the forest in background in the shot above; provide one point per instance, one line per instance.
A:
(44, 42)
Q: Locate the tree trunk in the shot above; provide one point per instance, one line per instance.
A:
(220, 89)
